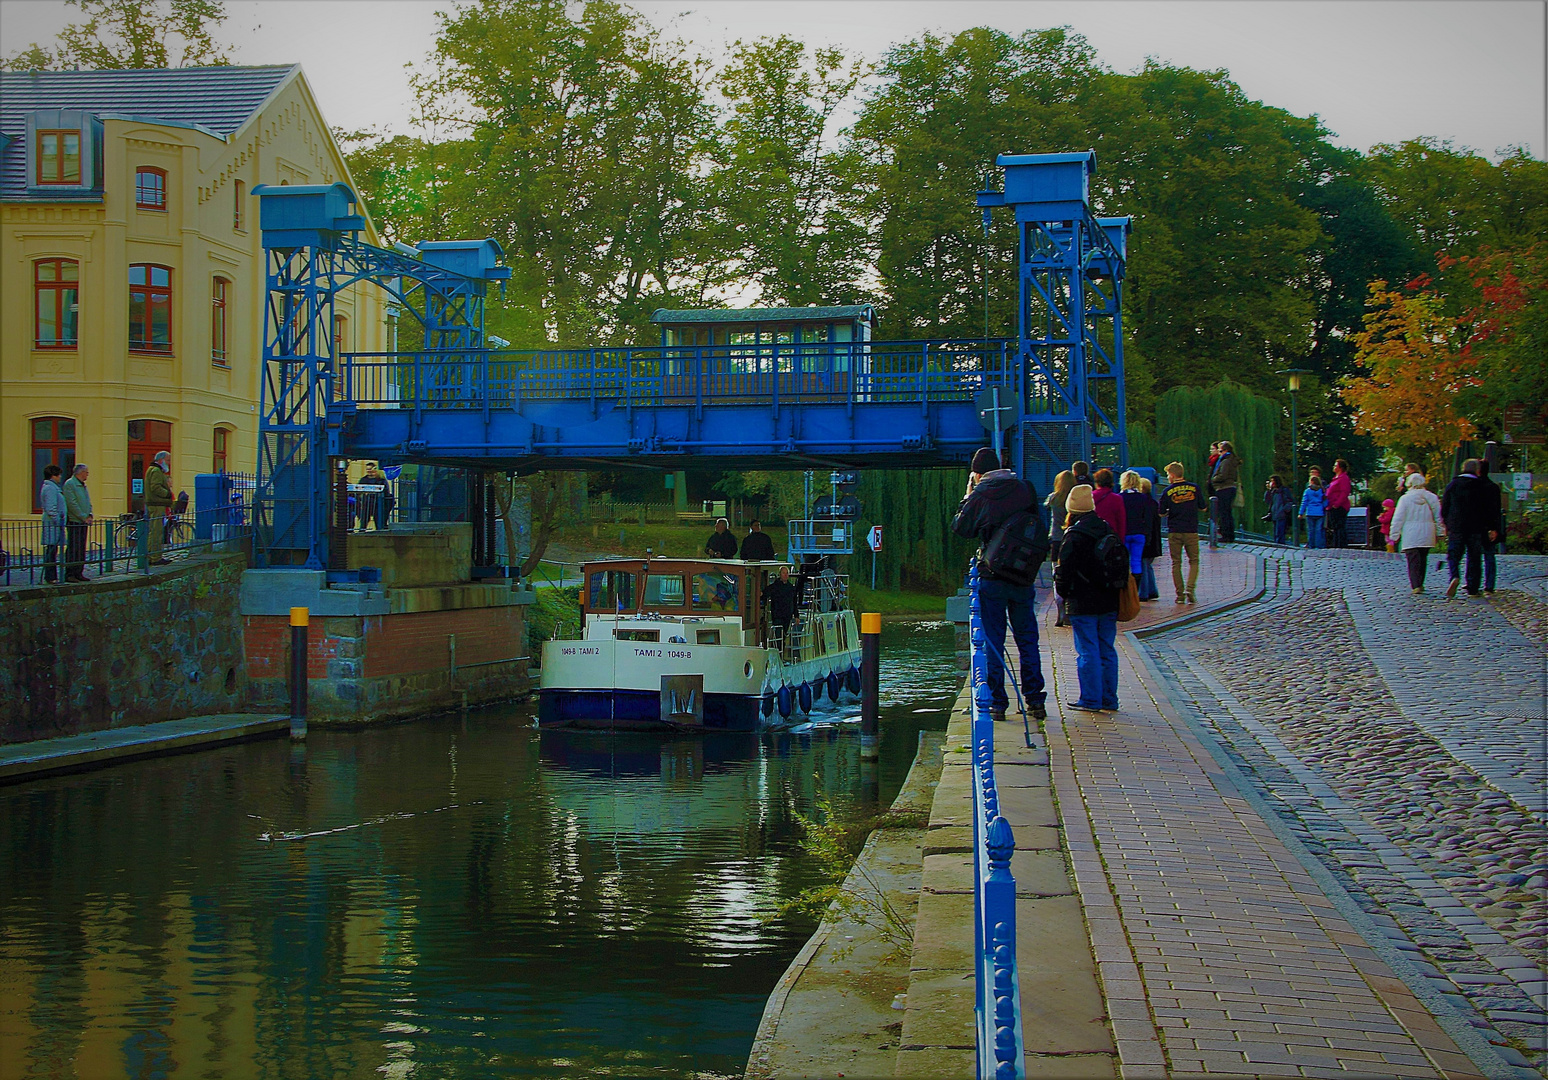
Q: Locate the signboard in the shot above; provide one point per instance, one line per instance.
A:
(1524, 426)
(997, 408)
(137, 487)
(874, 539)
(1522, 483)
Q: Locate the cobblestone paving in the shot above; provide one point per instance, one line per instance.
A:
(1402, 739)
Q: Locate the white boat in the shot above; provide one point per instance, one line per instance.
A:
(690, 643)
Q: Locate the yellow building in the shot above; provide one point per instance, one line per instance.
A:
(132, 272)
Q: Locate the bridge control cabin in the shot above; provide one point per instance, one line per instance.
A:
(811, 350)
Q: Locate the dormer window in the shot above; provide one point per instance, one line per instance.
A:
(59, 157)
(150, 189)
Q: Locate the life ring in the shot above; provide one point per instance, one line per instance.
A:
(852, 680)
(767, 705)
(806, 697)
(835, 685)
(785, 701)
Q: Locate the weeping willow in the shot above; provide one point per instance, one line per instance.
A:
(1189, 418)
(914, 508)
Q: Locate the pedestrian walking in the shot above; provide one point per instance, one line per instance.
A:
(1281, 508)
(1140, 517)
(722, 542)
(1384, 521)
(756, 545)
(1180, 507)
(1336, 496)
(1492, 503)
(1109, 504)
(1415, 527)
(52, 499)
(1063, 483)
(1313, 510)
(1224, 476)
(1468, 516)
(1148, 588)
(994, 497)
(78, 522)
(1086, 578)
(158, 503)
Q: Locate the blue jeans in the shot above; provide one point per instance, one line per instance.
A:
(1314, 531)
(1472, 546)
(1281, 529)
(1096, 659)
(1002, 603)
(1147, 583)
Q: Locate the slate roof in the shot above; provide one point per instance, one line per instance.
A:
(758, 315)
(216, 100)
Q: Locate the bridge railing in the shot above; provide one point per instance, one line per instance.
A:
(766, 373)
(997, 1002)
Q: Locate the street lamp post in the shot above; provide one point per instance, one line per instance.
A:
(1294, 377)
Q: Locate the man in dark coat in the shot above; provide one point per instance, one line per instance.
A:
(1090, 604)
(994, 495)
(722, 542)
(756, 545)
(783, 598)
(1469, 518)
(1491, 503)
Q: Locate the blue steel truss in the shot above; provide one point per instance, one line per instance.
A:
(1069, 319)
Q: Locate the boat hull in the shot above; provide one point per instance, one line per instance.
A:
(641, 709)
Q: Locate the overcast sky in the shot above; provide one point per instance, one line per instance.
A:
(1374, 70)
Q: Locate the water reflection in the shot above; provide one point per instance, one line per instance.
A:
(450, 898)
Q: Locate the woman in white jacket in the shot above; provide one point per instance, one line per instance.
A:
(1415, 527)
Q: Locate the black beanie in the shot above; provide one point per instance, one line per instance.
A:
(985, 461)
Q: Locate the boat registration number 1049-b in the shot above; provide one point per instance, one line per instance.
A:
(571, 650)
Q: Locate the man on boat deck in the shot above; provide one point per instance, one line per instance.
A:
(722, 542)
(783, 598)
(994, 495)
(756, 545)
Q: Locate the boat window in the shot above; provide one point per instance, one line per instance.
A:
(708, 637)
(611, 590)
(716, 590)
(663, 590)
(637, 635)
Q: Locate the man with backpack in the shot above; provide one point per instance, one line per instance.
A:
(1093, 567)
(1000, 510)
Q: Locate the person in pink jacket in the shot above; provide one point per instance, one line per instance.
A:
(1109, 504)
(1337, 495)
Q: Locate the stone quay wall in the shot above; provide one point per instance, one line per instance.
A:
(135, 650)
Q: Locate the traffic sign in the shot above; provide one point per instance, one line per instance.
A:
(997, 408)
(874, 539)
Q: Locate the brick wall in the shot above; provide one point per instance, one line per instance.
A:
(403, 644)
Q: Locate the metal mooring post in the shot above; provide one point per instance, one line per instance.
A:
(299, 617)
(870, 682)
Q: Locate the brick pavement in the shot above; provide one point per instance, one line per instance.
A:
(1217, 951)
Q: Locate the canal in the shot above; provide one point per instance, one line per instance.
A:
(456, 897)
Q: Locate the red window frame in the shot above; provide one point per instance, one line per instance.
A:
(150, 307)
(219, 292)
(222, 442)
(150, 188)
(53, 444)
(59, 156)
(56, 302)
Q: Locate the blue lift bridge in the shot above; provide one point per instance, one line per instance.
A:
(830, 405)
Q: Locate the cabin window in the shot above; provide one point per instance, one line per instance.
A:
(59, 157)
(611, 590)
(637, 635)
(707, 637)
(664, 590)
(715, 591)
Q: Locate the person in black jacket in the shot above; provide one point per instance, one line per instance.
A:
(783, 599)
(722, 542)
(993, 496)
(1090, 604)
(1468, 521)
(756, 545)
(1491, 504)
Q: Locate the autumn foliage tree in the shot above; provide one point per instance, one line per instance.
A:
(1414, 370)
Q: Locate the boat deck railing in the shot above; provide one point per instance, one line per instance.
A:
(997, 1001)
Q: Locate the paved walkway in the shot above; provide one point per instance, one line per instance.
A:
(1224, 944)
(70, 753)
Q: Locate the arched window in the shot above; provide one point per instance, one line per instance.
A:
(53, 443)
(56, 287)
(150, 188)
(340, 335)
(150, 308)
(222, 436)
(239, 195)
(218, 294)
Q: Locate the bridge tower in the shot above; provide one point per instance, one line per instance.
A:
(1070, 317)
(312, 251)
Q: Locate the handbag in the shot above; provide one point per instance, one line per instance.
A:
(1128, 602)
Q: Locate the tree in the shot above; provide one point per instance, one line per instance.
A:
(1506, 331)
(1414, 369)
(120, 34)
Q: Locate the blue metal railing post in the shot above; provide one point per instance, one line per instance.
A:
(997, 998)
